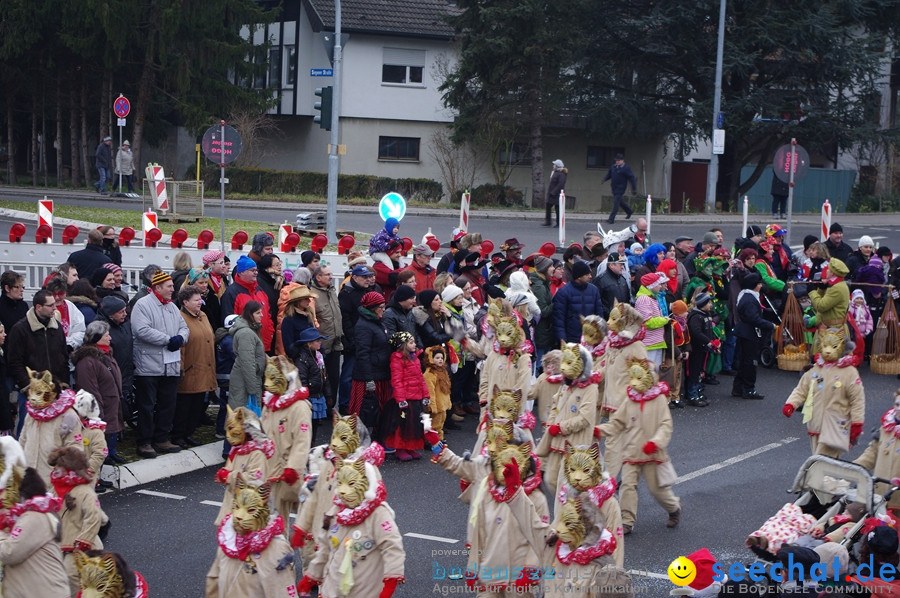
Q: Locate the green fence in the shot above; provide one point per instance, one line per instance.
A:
(810, 193)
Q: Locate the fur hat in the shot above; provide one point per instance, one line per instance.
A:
(469, 239)
(261, 241)
(32, 484)
(86, 405)
(70, 458)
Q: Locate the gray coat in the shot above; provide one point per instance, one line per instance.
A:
(328, 313)
(249, 364)
(152, 325)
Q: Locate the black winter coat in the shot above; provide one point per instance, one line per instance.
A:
(749, 312)
(350, 298)
(31, 344)
(613, 287)
(311, 376)
(87, 260)
(11, 312)
(427, 332)
(373, 352)
(700, 325)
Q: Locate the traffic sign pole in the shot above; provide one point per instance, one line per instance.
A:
(222, 183)
(122, 107)
(790, 201)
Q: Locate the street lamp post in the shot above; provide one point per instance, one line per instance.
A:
(334, 165)
(713, 173)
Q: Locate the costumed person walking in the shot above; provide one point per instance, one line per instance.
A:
(572, 418)
(644, 422)
(250, 452)
(401, 419)
(831, 397)
(882, 456)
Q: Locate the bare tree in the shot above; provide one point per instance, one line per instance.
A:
(254, 128)
(458, 163)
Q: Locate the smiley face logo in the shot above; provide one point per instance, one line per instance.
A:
(682, 571)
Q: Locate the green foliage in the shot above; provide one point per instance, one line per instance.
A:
(496, 195)
(862, 202)
(260, 181)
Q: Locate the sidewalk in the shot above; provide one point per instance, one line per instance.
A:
(164, 466)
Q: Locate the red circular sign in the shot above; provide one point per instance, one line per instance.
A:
(121, 106)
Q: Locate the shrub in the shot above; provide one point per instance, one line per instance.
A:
(491, 194)
(862, 202)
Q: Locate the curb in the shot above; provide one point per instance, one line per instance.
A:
(163, 466)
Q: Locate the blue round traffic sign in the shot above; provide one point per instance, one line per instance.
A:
(392, 205)
(121, 106)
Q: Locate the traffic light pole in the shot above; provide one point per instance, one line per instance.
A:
(334, 165)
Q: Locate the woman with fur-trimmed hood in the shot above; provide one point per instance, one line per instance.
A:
(573, 417)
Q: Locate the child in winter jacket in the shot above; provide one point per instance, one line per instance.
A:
(401, 419)
(703, 342)
(635, 255)
(860, 313)
(437, 378)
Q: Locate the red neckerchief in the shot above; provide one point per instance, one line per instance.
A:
(889, 424)
(39, 504)
(374, 454)
(64, 482)
(63, 309)
(94, 424)
(616, 340)
(529, 484)
(160, 297)
(598, 495)
(266, 446)
(554, 378)
(347, 516)
(241, 546)
(63, 402)
(596, 350)
(585, 554)
(104, 348)
(660, 388)
(215, 281)
(525, 347)
(845, 361)
(277, 402)
(594, 378)
(251, 286)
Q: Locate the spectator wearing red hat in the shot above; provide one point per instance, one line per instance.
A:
(651, 303)
(372, 367)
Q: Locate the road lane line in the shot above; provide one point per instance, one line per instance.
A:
(211, 503)
(161, 494)
(648, 574)
(736, 459)
(427, 537)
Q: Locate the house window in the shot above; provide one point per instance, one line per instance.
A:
(599, 156)
(398, 148)
(274, 68)
(291, 66)
(515, 154)
(403, 67)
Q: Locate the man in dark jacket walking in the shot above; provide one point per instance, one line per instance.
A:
(612, 284)
(620, 175)
(103, 162)
(37, 342)
(557, 184)
(578, 298)
(362, 280)
(749, 328)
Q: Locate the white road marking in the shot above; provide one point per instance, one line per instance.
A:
(736, 459)
(161, 494)
(648, 574)
(434, 538)
(211, 503)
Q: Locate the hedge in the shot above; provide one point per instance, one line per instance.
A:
(260, 181)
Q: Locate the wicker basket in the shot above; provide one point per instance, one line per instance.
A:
(793, 362)
(884, 364)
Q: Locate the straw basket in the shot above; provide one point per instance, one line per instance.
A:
(886, 342)
(793, 362)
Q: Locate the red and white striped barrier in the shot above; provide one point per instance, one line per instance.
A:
(156, 177)
(826, 220)
(149, 220)
(464, 211)
(45, 215)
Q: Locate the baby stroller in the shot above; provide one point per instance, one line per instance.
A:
(826, 486)
(768, 354)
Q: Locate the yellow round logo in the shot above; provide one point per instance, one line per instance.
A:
(682, 571)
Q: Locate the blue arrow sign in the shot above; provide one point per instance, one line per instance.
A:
(321, 72)
(392, 205)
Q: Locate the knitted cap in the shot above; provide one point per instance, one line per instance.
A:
(213, 256)
(399, 339)
(244, 263)
(542, 263)
(450, 293)
(403, 292)
(702, 299)
(835, 228)
(111, 304)
(865, 241)
(159, 277)
(579, 269)
(372, 299)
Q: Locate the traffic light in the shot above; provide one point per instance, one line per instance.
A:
(324, 108)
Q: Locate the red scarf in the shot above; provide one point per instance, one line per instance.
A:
(889, 424)
(585, 554)
(63, 309)
(43, 503)
(64, 482)
(266, 446)
(660, 388)
(63, 402)
(160, 297)
(104, 348)
(617, 340)
(277, 402)
(215, 281)
(844, 361)
(356, 515)
(94, 424)
(241, 546)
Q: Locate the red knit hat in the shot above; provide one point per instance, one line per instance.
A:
(372, 299)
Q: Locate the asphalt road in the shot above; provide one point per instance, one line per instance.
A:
(736, 460)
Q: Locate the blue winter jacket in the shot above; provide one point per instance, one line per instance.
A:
(571, 301)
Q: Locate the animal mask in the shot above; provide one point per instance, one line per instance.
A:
(497, 308)
(11, 494)
(640, 374)
(570, 526)
(505, 404)
(344, 436)
(509, 334)
(86, 405)
(831, 344)
(498, 435)
(42, 390)
(571, 365)
(276, 375)
(593, 329)
(352, 482)
(520, 452)
(250, 512)
(582, 466)
(234, 426)
(625, 320)
(99, 575)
